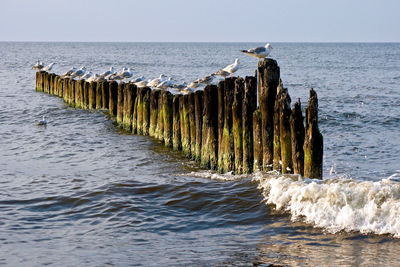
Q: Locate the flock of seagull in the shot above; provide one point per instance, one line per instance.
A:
(161, 82)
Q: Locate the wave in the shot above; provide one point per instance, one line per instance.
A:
(336, 204)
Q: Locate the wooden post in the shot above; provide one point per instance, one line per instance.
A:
(198, 106)
(209, 153)
(284, 132)
(237, 125)
(78, 93)
(129, 97)
(55, 84)
(192, 125)
(73, 92)
(38, 81)
(297, 136)
(185, 124)
(99, 95)
(135, 112)
(120, 103)
(257, 141)
(105, 94)
(313, 141)
(92, 95)
(248, 108)
(146, 110)
(154, 96)
(61, 87)
(277, 160)
(167, 115)
(85, 95)
(221, 112)
(268, 79)
(176, 124)
(113, 98)
(139, 110)
(159, 132)
(226, 154)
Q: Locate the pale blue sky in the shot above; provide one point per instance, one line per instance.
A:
(201, 21)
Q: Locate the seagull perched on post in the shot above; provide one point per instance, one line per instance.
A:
(259, 52)
(232, 67)
(69, 72)
(38, 65)
(79, 72)
(49, 67)
(107, 72)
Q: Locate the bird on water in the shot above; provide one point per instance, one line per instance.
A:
(43, 121)
(259, 52)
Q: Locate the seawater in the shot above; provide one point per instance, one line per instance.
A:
(80, 192)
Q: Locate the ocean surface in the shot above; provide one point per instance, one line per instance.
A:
(80, 192)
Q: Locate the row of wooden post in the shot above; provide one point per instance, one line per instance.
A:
(220, 126)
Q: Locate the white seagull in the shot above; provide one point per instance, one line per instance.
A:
(38, 65)
(232, 67)
(43, 121)
(126, 74)
(259, 52)
(206, 79)
(142, 83)
(79, 72)
(87, 75)
(222, 73)
(49, 67)
(108, 72)
(69, 72)
(156, 81)
(165, 84)
(138, 79)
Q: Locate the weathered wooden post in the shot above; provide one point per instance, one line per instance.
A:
(129, 98)
(154, 96)
(257, 141)
(277, 160)
(313, 141)
(297, 136)
(99, 95)
(192, 125)
(176, 124)
(85, 95)
(78, 93)
(38, 86)
(268, 80)
(167, 115)
(55, 84)
(146, 110)
(209, 153)
(159, 131)
(198, 106)
(248, 107)
(284, 132)
(61, 87)
(120, 103)
(226, 154)
(72, 92)
(45, 82)
(237, 124)
(92, 95)
(221, 112)
(113, 98)
(185, 124)
(105, 94)
(139, 110)
(135, 112)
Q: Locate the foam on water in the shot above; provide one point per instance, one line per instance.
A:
(337, 204)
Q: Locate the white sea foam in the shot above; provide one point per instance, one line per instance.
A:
(337, 204)
(208, 174)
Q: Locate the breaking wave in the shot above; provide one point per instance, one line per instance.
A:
(336, 204)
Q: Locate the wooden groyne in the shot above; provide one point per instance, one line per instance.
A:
(223, 127)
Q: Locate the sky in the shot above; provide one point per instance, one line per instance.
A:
(200, 21)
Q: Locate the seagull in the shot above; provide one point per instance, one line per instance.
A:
(222, 73)
(138, 79)
(43, 121)
(142, 83)
(79, 72)
(108, 72)
(259, 52)
(186, 90)
(156, 81)
(87, 75)
(69, 72)
(92, 78)
(99, 79)
(232, 67)
(166, 84)
(206, 79)
(193, 84)
(49, 67)
(180, 86)
(126, 74)
(38, 65)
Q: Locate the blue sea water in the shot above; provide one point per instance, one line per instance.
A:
(79, 192)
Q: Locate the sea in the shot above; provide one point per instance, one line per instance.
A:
(81, 192)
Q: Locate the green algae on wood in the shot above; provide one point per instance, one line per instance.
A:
(248, 107)
(297, 136)
(146, 110)
(198, 106)
(209, 152)
(129, 99)
(176, 124)
(113, 98)
(92, 92)
(154, 96)
(284, 132)
(185, 125)
(167, 98)
(257, 142)
(237, 125)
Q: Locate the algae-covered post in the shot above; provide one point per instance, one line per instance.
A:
(297, 135)
(268, 80)
(85, 95)
(248, 107)
(257, 142)
(113, 98)
(120, 103)
(146, 110)
(284, 132)
(192, 126)
(129, 98)
(209, 153)
(237, 124)
(167, 116)
(313, 141)
(99, 95)
(277, 161)
(198, 106)
(105, 94)
(154, 96)
(185, 124)
(176, 124)
(92, 95)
